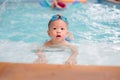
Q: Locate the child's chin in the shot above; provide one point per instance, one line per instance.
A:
(59, 39)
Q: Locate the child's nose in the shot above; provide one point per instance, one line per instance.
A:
(58, 30)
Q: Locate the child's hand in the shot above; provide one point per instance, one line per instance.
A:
(71, 61)
(41, 60)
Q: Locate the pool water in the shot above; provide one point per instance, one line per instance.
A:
(96, 28)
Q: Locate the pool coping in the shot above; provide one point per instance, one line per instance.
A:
(22, 71)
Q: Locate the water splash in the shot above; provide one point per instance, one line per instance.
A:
(89, 53)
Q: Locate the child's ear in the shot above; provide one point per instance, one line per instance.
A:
(48, 32)
(67, 32)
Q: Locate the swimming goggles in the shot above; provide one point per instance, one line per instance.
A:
(56, 17)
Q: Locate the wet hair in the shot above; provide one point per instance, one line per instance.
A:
(57, 17)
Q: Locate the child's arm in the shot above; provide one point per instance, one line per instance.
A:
(41, 58)
(52, 6)
(56, 4)
(72, 58)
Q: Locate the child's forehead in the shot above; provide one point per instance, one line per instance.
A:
(59, 23)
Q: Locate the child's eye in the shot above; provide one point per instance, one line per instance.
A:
(62, 28)
(54, 28)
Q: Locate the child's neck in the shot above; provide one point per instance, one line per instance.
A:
(58, 42)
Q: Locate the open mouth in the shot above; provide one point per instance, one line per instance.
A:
(58, 36)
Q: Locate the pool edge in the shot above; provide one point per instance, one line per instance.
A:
(21, 71)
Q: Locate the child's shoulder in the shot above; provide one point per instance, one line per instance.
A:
(47, 44)
(72, 46)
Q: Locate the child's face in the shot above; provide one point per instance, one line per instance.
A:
(58, 30)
